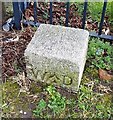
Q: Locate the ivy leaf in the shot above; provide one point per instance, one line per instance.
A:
(42, 104)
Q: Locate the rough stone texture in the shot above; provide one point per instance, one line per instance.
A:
(57, 55)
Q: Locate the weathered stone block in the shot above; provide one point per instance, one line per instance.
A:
(57, 55)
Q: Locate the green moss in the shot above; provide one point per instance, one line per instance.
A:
(107, 98)
(13, 102)
(57, 77)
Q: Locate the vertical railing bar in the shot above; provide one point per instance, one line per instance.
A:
(67, 13)
(84, 14)
(102, 17)
(17, 15)
(26, 4)
(35, 11)
(22, 6)
(51, 21)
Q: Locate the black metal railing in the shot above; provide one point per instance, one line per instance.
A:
(19, 7)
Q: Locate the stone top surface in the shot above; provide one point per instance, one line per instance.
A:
(58, 54)
(54, 41)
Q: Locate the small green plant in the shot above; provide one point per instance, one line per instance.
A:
(89, 101)
(40, 108)
(100, 54)
(56, 103)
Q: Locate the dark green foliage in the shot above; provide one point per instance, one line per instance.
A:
(56, 103)
(100, 54)
(40, 107)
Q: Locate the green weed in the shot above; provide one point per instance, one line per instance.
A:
(40, 107)
(56, 103)
(100, 54)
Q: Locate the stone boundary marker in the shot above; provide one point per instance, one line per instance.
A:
(57, 55)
